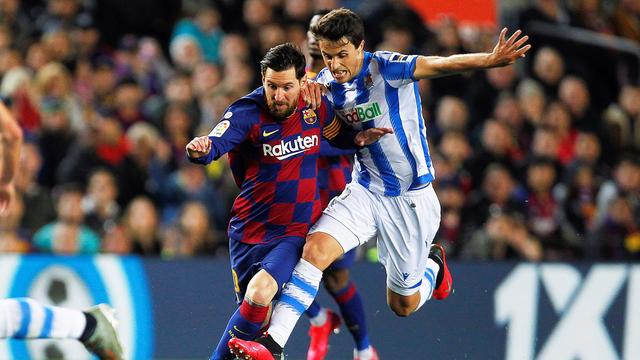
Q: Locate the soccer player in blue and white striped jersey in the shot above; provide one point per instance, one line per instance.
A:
(390, 196)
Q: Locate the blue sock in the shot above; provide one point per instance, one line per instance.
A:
(352, 312)
(244, 324)
(313, 310)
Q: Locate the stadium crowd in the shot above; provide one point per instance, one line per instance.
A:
(538, 162)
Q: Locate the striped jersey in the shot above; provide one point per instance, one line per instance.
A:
(274, 162)
(385, 94)
(334, 167)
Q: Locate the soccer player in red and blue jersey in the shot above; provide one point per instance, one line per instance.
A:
(273, 141)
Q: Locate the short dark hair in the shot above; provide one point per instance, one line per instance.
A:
(283, 57)
(340, 23)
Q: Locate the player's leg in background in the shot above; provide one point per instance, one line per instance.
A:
(338, 282)
(323, 322)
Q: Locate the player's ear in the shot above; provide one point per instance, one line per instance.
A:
(361, 46)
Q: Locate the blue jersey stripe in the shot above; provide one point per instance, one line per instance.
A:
(389, 179)
(25, 309)
(423, 140)
(339, 96)
(48, 322)
(391, 95)
(364, 177)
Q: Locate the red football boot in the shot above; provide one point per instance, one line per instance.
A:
(319, 335)
(445, 287)
(251, 350)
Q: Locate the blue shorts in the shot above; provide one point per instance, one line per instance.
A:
(277, 257)
(345, 262)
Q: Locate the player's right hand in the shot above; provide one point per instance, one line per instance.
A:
(199, 147)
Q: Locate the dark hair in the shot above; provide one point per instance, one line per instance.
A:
(340, 23)
(283, 57)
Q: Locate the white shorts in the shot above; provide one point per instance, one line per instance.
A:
(404, 225)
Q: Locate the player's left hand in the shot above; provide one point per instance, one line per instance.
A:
(369, 136)
(507, 51)
(312, 93)
(7, 192)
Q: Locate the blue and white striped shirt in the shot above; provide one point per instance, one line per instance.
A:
(385, 94)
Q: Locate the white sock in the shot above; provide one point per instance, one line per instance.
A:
(26, 318)
(319, 319)
(296, 297)
(365, 354)
(428, 282)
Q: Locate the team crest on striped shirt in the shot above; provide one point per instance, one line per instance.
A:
(309, 116)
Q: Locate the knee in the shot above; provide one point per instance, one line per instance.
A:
(261, 292)
(320, 252)
(401, 310)
(402, 306)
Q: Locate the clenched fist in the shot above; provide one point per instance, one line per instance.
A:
(199, 147)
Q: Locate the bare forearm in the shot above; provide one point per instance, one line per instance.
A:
(506, 52)
(434, 66)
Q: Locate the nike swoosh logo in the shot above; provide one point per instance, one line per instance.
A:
(240, 331)
(269, 133)
(448, 286)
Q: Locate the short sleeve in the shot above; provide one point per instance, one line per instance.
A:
(397, 69)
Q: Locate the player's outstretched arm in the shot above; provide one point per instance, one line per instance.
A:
(199, 147)
(505, 52)
(10, 143)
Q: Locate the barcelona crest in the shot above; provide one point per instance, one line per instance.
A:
(309, 116)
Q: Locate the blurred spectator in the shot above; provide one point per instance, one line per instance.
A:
(573, 92)
(191, 235)
(484, 91)
(622, 120)
(590, 14)
(617, 237)
(185, 52)
(578, 196)
(503, 237)
(451, 201)
(532, 102)
(548, 68)
(625, 183)
(99, 203)
(140, 224)
(496, 146)
(53, 85)
(11, 238)
(13, 18)
(499, 194)
(116, 240)
(55, 138)
(626, 19)
(67, 235)
(59, 14)
(452, 114)
(35, 197)
(37, 56)
(205, 28)
(558, 119)
(543, 210)
(128, 98)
